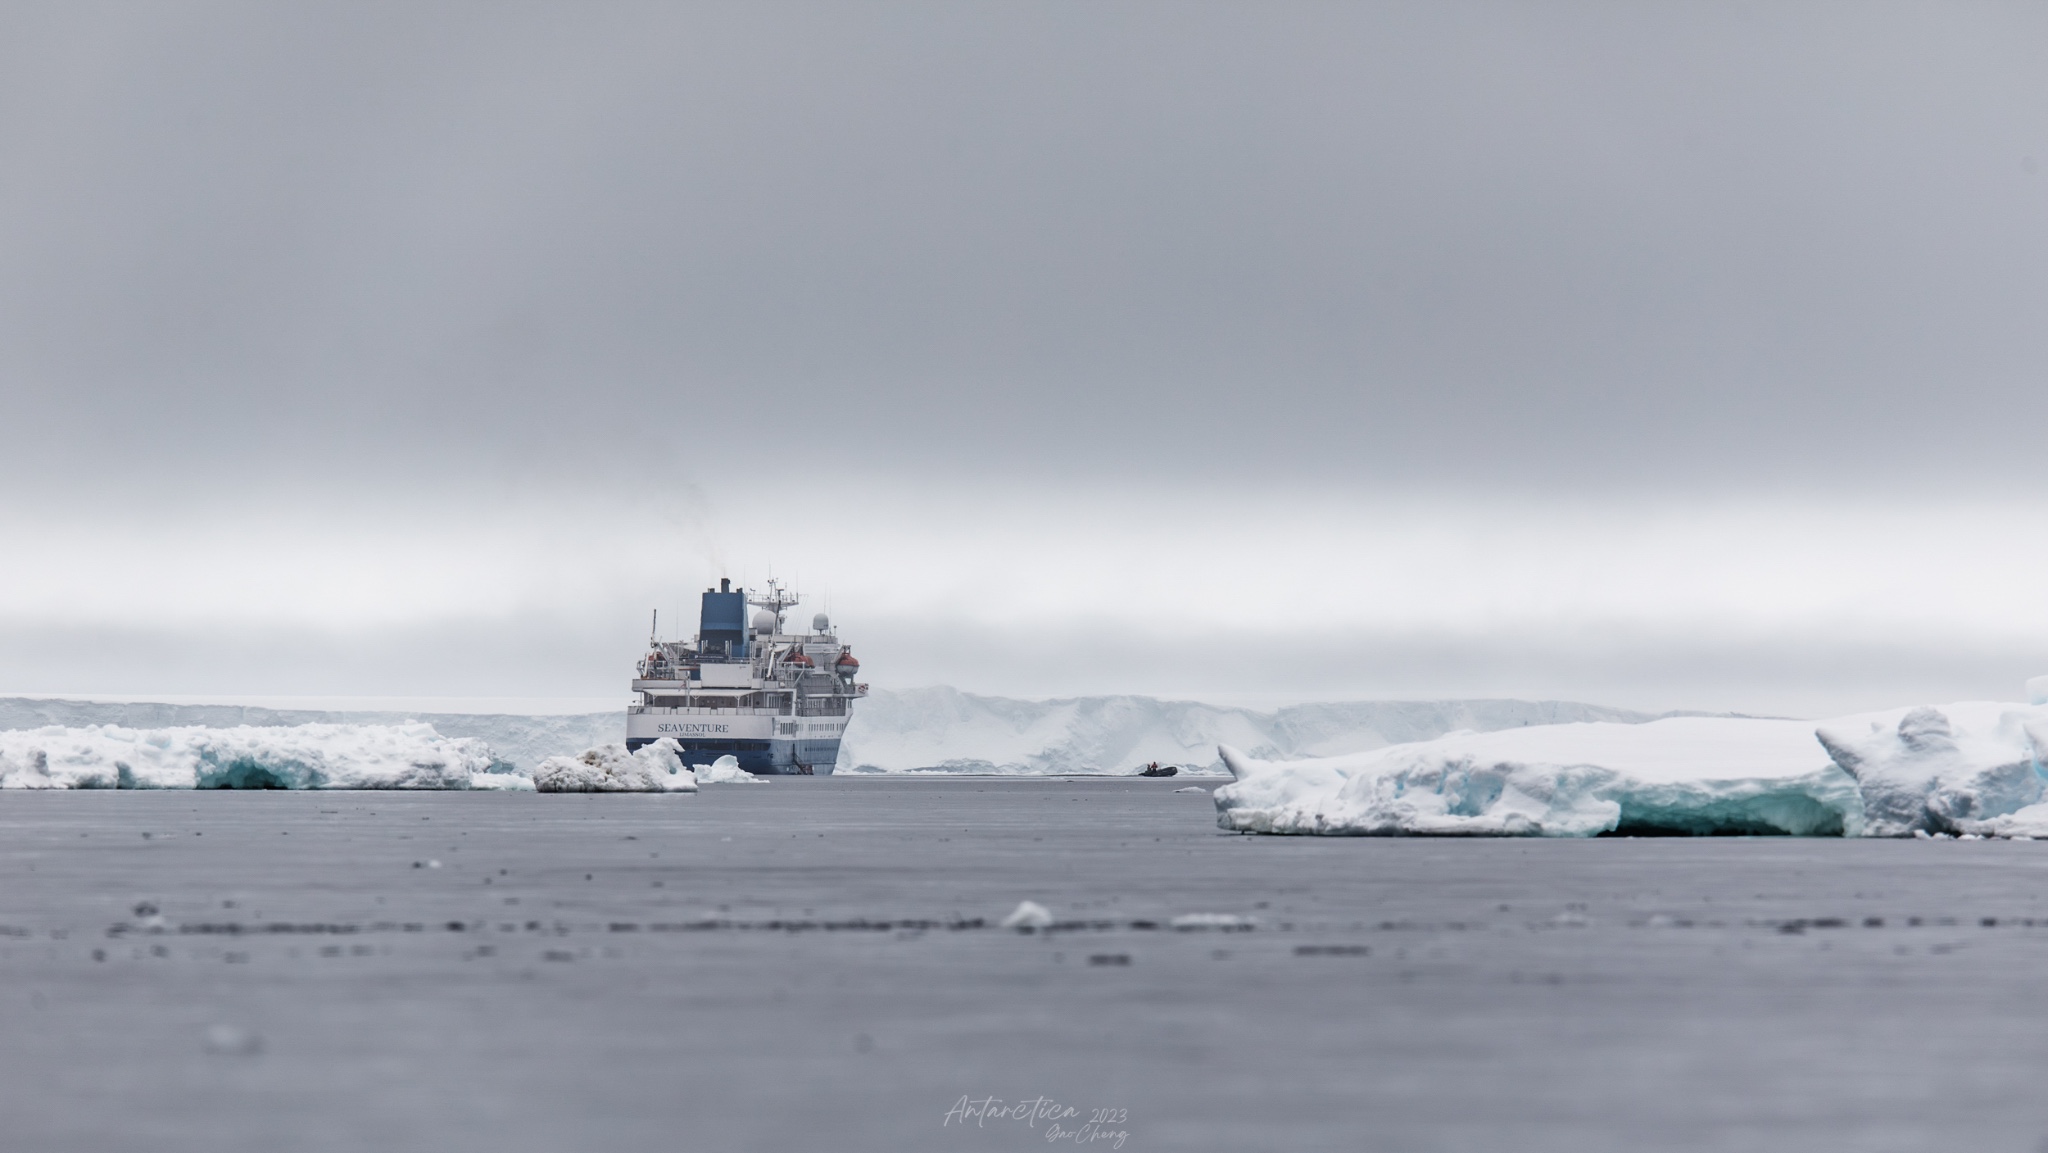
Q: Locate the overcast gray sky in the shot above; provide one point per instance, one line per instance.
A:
(1659, 354)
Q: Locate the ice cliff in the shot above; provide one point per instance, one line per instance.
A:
(1972, 768)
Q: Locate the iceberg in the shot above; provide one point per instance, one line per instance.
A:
(655, 768)
(1973, 768)
(1682, 775)
(313, 756)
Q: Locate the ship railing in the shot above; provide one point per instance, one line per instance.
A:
(701, 711)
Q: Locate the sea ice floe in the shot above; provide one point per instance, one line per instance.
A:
(316, 756)
(1969, 768)
(655, 768)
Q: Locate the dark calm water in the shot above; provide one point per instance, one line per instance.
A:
(798, 965)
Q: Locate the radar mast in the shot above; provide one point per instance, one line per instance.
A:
(778, 600)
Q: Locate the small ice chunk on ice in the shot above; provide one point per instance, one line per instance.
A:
(1192, 789)
(232, 1041)
(655, 768)
(726, 771)
(504, 782)
(1028, 916)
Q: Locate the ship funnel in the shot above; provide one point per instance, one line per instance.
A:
(723, 625)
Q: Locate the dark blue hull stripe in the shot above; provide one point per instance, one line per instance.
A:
(766, 757)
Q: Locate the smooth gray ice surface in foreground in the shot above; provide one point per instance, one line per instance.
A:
(615, 983)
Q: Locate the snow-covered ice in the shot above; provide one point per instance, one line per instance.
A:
(1682, 774)
(655, 768)
(316, 756)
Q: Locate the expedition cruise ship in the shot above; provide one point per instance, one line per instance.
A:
(777, 701)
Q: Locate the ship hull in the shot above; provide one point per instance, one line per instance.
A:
(753, 740)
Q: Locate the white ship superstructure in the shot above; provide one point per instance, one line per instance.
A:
(776, 700)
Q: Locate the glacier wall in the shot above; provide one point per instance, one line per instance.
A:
(947, 730)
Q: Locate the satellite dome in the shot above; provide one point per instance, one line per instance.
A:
(764, 621)
(821, 623)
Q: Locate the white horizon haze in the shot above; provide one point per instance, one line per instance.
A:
(1654, 357)
(1223, 594)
